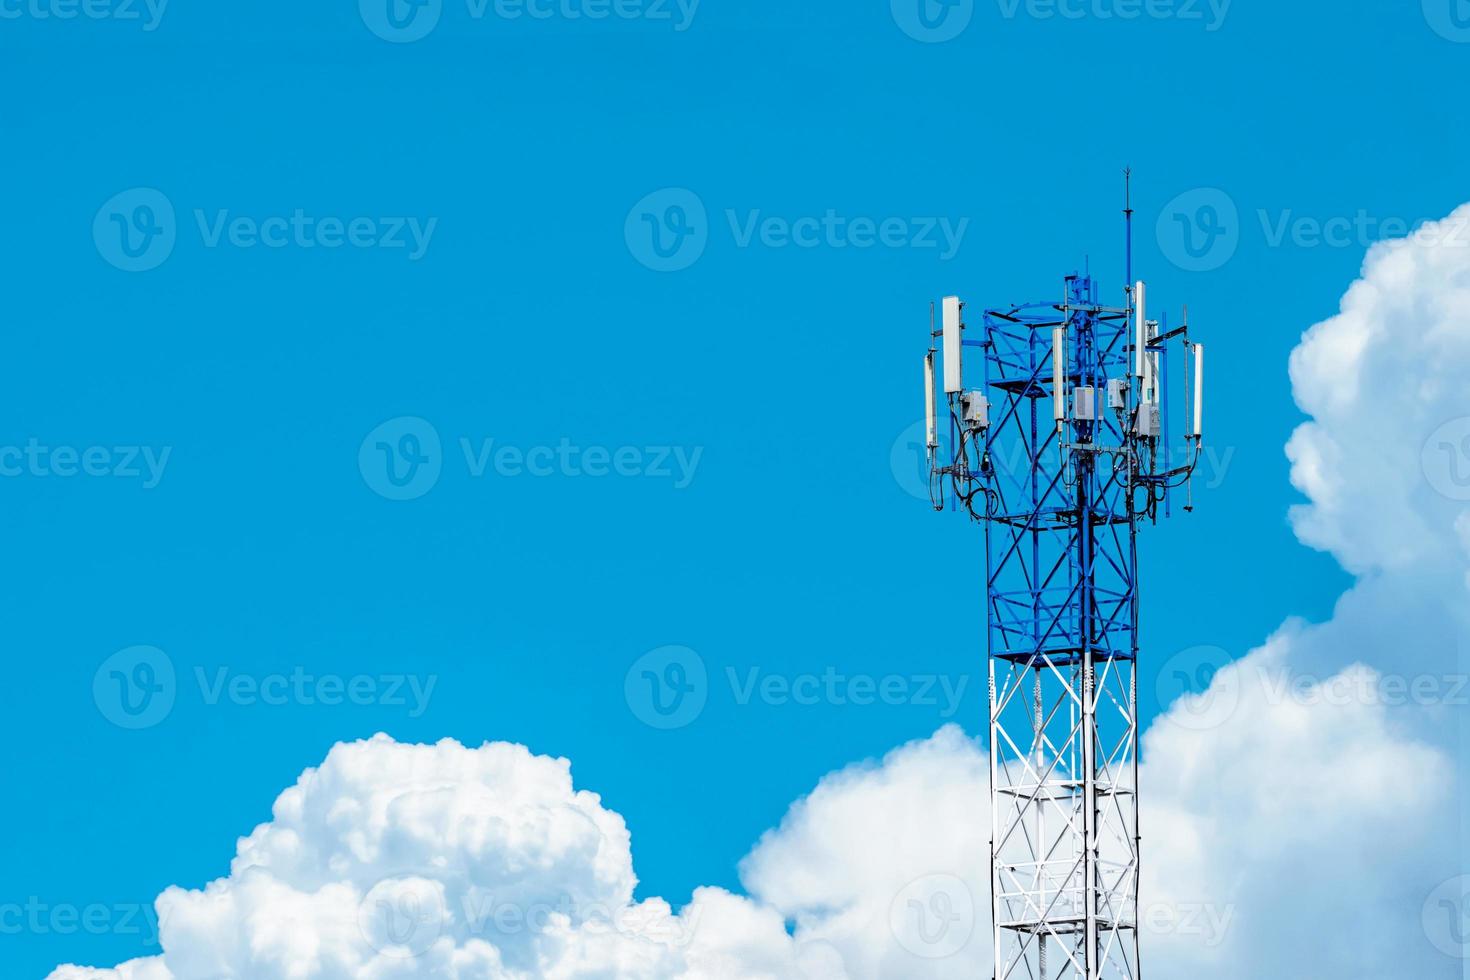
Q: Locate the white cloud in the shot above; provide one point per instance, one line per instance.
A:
(149, 969)
(448, 863)
(1385, 464)
(1379, 380)
(1306, 812)
(1294, 815)
(847, 861)
(440, 861)
(1300, 834)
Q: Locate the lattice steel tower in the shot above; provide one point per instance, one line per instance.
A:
(1058, 442)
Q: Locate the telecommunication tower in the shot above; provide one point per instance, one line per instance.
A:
(1057, 441)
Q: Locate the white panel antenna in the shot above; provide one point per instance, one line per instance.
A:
(931, 429)
(953, 346)
(1059, 372)
(1140, 330)
(1199, 391)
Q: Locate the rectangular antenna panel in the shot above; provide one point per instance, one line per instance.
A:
(1140, 326)
(1199, 390)
(953, 375)
(931, 428)
(1059, 372)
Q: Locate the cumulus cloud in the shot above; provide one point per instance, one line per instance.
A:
(1296, 820)
(1383, 460)
(441, 861)
(1345, 733)
(1305, 811)
(448, 863)
(888, 863)
(1275, 809)
(149, 969)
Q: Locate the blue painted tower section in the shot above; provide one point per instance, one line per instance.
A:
(1059, 532)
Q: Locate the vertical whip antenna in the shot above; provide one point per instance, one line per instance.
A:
(1128, 224)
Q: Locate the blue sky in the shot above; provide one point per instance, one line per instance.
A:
(759, 392)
